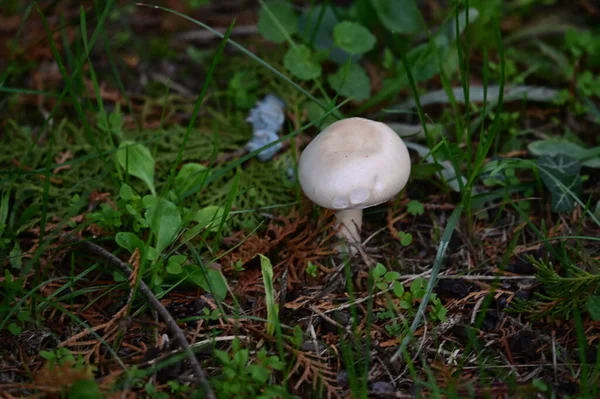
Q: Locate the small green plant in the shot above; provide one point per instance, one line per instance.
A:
(406, 301)
(405, 238)
(242, 377)
(311, 269)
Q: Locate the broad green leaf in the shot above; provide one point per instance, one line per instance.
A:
(378, 271)
(353, 38)
(351, 81)
(129, 241)
(398, 289)
(174, 268)
(190, 177)
(272, 310)
(164, 220)
(399, 16)
(561, 146)
(391, 276)
(275, 18)
(593, 306)
(299, 61)
(317, 27)
(125, 192)
(560, 174)
(209, 217)
(216, 283)
(137, 160)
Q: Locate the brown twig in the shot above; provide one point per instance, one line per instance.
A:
(159, 307)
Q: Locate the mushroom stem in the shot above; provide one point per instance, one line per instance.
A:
(351, 220)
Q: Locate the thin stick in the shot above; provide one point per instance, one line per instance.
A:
(159, 307)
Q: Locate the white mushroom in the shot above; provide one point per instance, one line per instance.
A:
(353, 164)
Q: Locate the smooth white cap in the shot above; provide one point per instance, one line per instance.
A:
(354, 163)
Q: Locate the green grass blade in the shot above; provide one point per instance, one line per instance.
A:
(437, 264)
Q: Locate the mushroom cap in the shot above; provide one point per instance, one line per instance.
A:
(354, 163)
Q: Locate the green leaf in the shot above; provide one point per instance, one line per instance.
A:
(164, 220)
(424, 171)
(210, 217)
(391, 276)
(215, 284)
(561, 146)
(351, 81)
(299, 61)
(272, 310)
(14, 329)
(398, 289)
(275, 18)
(593, 306)
(315, 114)
(404, 304)
(353, 38)
(137, 160)
(85, 389)
(417, 287)
(405, 238)
(190, 178)
(174, 268)
(16, 257)
(398, 16)
(125, 192)
(415, 208)
(559, 173)
(378, 271)
(129, 241)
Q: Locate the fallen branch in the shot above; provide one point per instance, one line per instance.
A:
(159, 307)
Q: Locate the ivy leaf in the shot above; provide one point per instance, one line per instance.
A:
(299, 61)
(559, 173)
(398, 16)
(351, 80)
(164, 220)
(415, 208)
(558, 146)
(275, 16)
(353, 38)
(137, 160)
(593, 306)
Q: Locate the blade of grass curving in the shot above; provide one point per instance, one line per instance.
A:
(96, 86)
(463, 60)
(243, 50)
(69, 80)
(228, 205)
(114, 70)
(12, 52)
(484, 145)
(197, 106)
(437, 264)
(80, 64)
